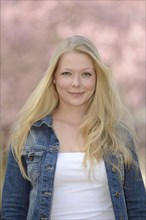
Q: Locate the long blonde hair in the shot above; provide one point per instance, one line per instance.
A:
(102, 117)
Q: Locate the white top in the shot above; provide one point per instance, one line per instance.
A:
(78, 196)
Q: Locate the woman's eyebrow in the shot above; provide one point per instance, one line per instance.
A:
(82, 69)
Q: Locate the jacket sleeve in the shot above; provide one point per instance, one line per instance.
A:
(134, 189)
(15, 195)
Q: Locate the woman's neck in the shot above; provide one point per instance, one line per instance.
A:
(71, 115)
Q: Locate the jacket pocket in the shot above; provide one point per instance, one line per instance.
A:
(33, 163)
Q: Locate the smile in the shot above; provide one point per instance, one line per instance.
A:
(76, 93)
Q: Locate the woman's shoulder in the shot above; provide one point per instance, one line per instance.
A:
(124, 131)
(47, 120)
(39, 131)
(126, 135)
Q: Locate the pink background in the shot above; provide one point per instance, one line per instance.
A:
(30, 31)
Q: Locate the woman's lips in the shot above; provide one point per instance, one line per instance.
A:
(76, 94)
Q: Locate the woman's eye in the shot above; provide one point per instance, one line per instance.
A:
(86, 74)
(66, 73)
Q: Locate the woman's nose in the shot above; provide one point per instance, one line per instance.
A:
(76, 81)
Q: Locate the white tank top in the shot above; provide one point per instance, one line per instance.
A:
(76, 195)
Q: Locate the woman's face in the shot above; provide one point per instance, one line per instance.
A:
(75, 79)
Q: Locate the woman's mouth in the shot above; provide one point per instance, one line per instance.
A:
(76, 94)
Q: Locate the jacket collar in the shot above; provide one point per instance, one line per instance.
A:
(46, 120)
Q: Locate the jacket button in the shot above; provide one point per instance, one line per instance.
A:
(114, 169)
(117, 194)
(31, 157)
(121, 218)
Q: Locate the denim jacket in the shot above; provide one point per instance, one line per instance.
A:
(32, 200)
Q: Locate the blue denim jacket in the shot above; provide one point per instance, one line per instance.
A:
(24, 200)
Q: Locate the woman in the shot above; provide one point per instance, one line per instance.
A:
(71, 156)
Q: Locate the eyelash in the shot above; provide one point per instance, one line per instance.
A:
(66, 73)
(84, 74)
(87, 74)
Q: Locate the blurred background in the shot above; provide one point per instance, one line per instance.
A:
(30, 31)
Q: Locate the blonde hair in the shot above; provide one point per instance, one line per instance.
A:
(102, 116)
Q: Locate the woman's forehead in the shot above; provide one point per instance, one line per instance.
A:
(74, 59)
